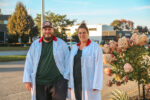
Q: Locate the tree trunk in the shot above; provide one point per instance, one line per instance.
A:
(139, 91)
(143, 92)
(19, 39)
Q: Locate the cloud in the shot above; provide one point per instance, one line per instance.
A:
(142, 8)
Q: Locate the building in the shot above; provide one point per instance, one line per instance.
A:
(108, 33)
(3, 28)
(120, 34)
(101, 33)
(95, 32)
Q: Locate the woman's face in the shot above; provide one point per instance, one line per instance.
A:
(83, 35)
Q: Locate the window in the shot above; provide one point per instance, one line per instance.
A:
(1, 22)
(92, 29)
(5, 21)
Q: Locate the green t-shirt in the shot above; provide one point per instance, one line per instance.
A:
(47, 71)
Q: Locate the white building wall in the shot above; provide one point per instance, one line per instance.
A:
(94, 35)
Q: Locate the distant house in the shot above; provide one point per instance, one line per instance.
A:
(95, 32)
(3, 28)
(120, 34)
(108, 33)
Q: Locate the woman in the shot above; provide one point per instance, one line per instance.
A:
(86, 68)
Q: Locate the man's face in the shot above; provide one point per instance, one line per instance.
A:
(48, 33)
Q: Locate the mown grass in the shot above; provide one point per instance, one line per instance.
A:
(12, 58)
(13, 48)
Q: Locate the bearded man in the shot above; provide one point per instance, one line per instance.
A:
(46, 72)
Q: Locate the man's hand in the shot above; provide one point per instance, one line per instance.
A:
(69, 89)
(28, 86)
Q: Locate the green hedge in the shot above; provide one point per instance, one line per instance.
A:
(13, 48)
(12, 58)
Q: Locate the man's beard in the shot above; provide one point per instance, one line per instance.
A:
(47, 38)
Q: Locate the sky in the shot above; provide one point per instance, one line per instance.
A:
(92, 11)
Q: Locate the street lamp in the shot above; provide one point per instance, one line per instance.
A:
(42, 15)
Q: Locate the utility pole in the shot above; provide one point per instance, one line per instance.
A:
(42, 15)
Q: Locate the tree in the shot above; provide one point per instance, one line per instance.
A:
(59, 22)
(116, 24)
(145, 29)
(32, 28)
(34, 32)
(75, 37)
(122, 24)
(20, 23)
(142, 29)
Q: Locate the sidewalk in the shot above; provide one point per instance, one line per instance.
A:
(8, 53)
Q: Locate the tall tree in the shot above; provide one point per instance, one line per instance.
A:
(142, 29)
(145, 29)
(75, 37)
(59, 22)
(116, 24)
(122, 24)
(32, 28)
(20, 22)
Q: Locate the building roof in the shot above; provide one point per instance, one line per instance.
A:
(4, 17)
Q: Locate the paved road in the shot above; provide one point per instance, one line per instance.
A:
(7, 53)
(12, 88)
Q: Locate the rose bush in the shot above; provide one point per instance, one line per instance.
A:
(130, 60)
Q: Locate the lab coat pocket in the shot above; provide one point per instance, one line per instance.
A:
(89, 61)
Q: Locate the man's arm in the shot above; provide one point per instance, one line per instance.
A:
(28, 69)
(67, 54)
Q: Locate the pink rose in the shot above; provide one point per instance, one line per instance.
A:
(113, 57)
(109, 83)
(109, 58)
(113, 45)
(123, 43)
(118, 50)
(130, 43)
(143, 39)
(128, 68)
(106, 49)
(108, 71)
(135, 38)
(118, 83)
(125, 78)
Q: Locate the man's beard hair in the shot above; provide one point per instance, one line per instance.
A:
(47, 38)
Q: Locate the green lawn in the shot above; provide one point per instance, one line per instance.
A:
(12, 58)
(13, 48)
